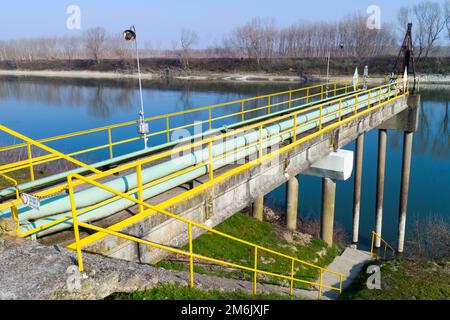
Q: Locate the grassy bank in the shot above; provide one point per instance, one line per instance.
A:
(266, 234)
(282, 66)
(404, 279)
(177, 292)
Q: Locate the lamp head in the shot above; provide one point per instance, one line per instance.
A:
(130, 34)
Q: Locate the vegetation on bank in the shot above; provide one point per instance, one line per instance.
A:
(266, 234)
(168, 67)
(404, 279)
(178, 292)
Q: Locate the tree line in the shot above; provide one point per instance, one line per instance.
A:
(259, 39)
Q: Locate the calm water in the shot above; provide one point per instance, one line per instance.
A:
(40, 108)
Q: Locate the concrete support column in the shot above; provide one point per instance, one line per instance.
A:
(328, 201)
(357, 188)
(382, 139)
(292, 203)
(258, 207)
(404, 188)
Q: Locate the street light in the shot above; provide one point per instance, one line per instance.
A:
(341, 45)
(130, 35)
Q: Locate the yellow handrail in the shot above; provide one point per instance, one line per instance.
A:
(210, 141)
(78, 246)
(386, 246)
(31, 161)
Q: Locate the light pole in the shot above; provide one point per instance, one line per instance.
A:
(341, 45)
(130, 35)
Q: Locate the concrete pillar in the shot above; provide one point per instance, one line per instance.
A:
(382, 138)
(292, 203)
(404, 188)
(258, 207)
(357, 188)
(328, 201)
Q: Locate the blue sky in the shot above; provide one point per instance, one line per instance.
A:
(160, 21)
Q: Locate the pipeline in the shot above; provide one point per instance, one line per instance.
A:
(61, 205)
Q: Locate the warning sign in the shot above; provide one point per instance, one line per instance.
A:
(30, 200)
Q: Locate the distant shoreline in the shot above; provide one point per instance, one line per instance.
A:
(226, 76)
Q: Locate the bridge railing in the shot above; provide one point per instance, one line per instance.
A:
(257, 150)
(375, 252)
(163, 125)
(191, 254)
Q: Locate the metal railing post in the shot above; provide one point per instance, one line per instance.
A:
(291, 292)
(371, 246)
(290, 99)
(167, 128)
(260, 147)
(269, 104)
(30, 159)
(75, 224)
(294, 138)
(255, 273)
(15, 216)
(191, 257)
(320, 116)
(139, 184)
(243, 110)
(210, 160)
(111, 154)
(340, 109)
(307, 95)
(210, 117)
(320, 285)
(356, 104)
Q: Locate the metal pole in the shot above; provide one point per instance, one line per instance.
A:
(382, 138)
(291, 203)
(404, 188)
(357, 188)
(328, 73)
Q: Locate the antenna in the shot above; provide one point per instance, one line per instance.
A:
(143, 129)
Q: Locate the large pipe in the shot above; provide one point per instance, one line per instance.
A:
(357, 187)
(95, 195)
(381, 169)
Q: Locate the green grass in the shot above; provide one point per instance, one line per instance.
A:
(178, 292)
(265, 234)
(404, 279)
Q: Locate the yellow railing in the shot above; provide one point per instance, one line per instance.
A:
(375, 251)
(256, 148)
(257, 249)
(306, 95)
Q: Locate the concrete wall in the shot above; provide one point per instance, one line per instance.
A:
(213, 205)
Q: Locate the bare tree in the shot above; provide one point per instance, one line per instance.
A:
(188, 38)
(95, 43)
(446, 5)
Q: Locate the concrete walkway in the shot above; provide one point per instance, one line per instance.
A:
(350, 264)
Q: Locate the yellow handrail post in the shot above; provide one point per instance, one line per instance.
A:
(340, 283)
(335, 88)
(292, 277)
(307, 95)
(111, 154)
(320, 284)
(167, 128)
(260, 143)
(294, 138)
(210, 160)
(255, 273)
(356, 104)
(371, 246)
(75, 224)
(243, 110)
(15, 216)
(139, 184)
(30, 159)
(269, 104)
(340, 109)
(320, 116)
(290, 99)
(210, 117)
(191, 257)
